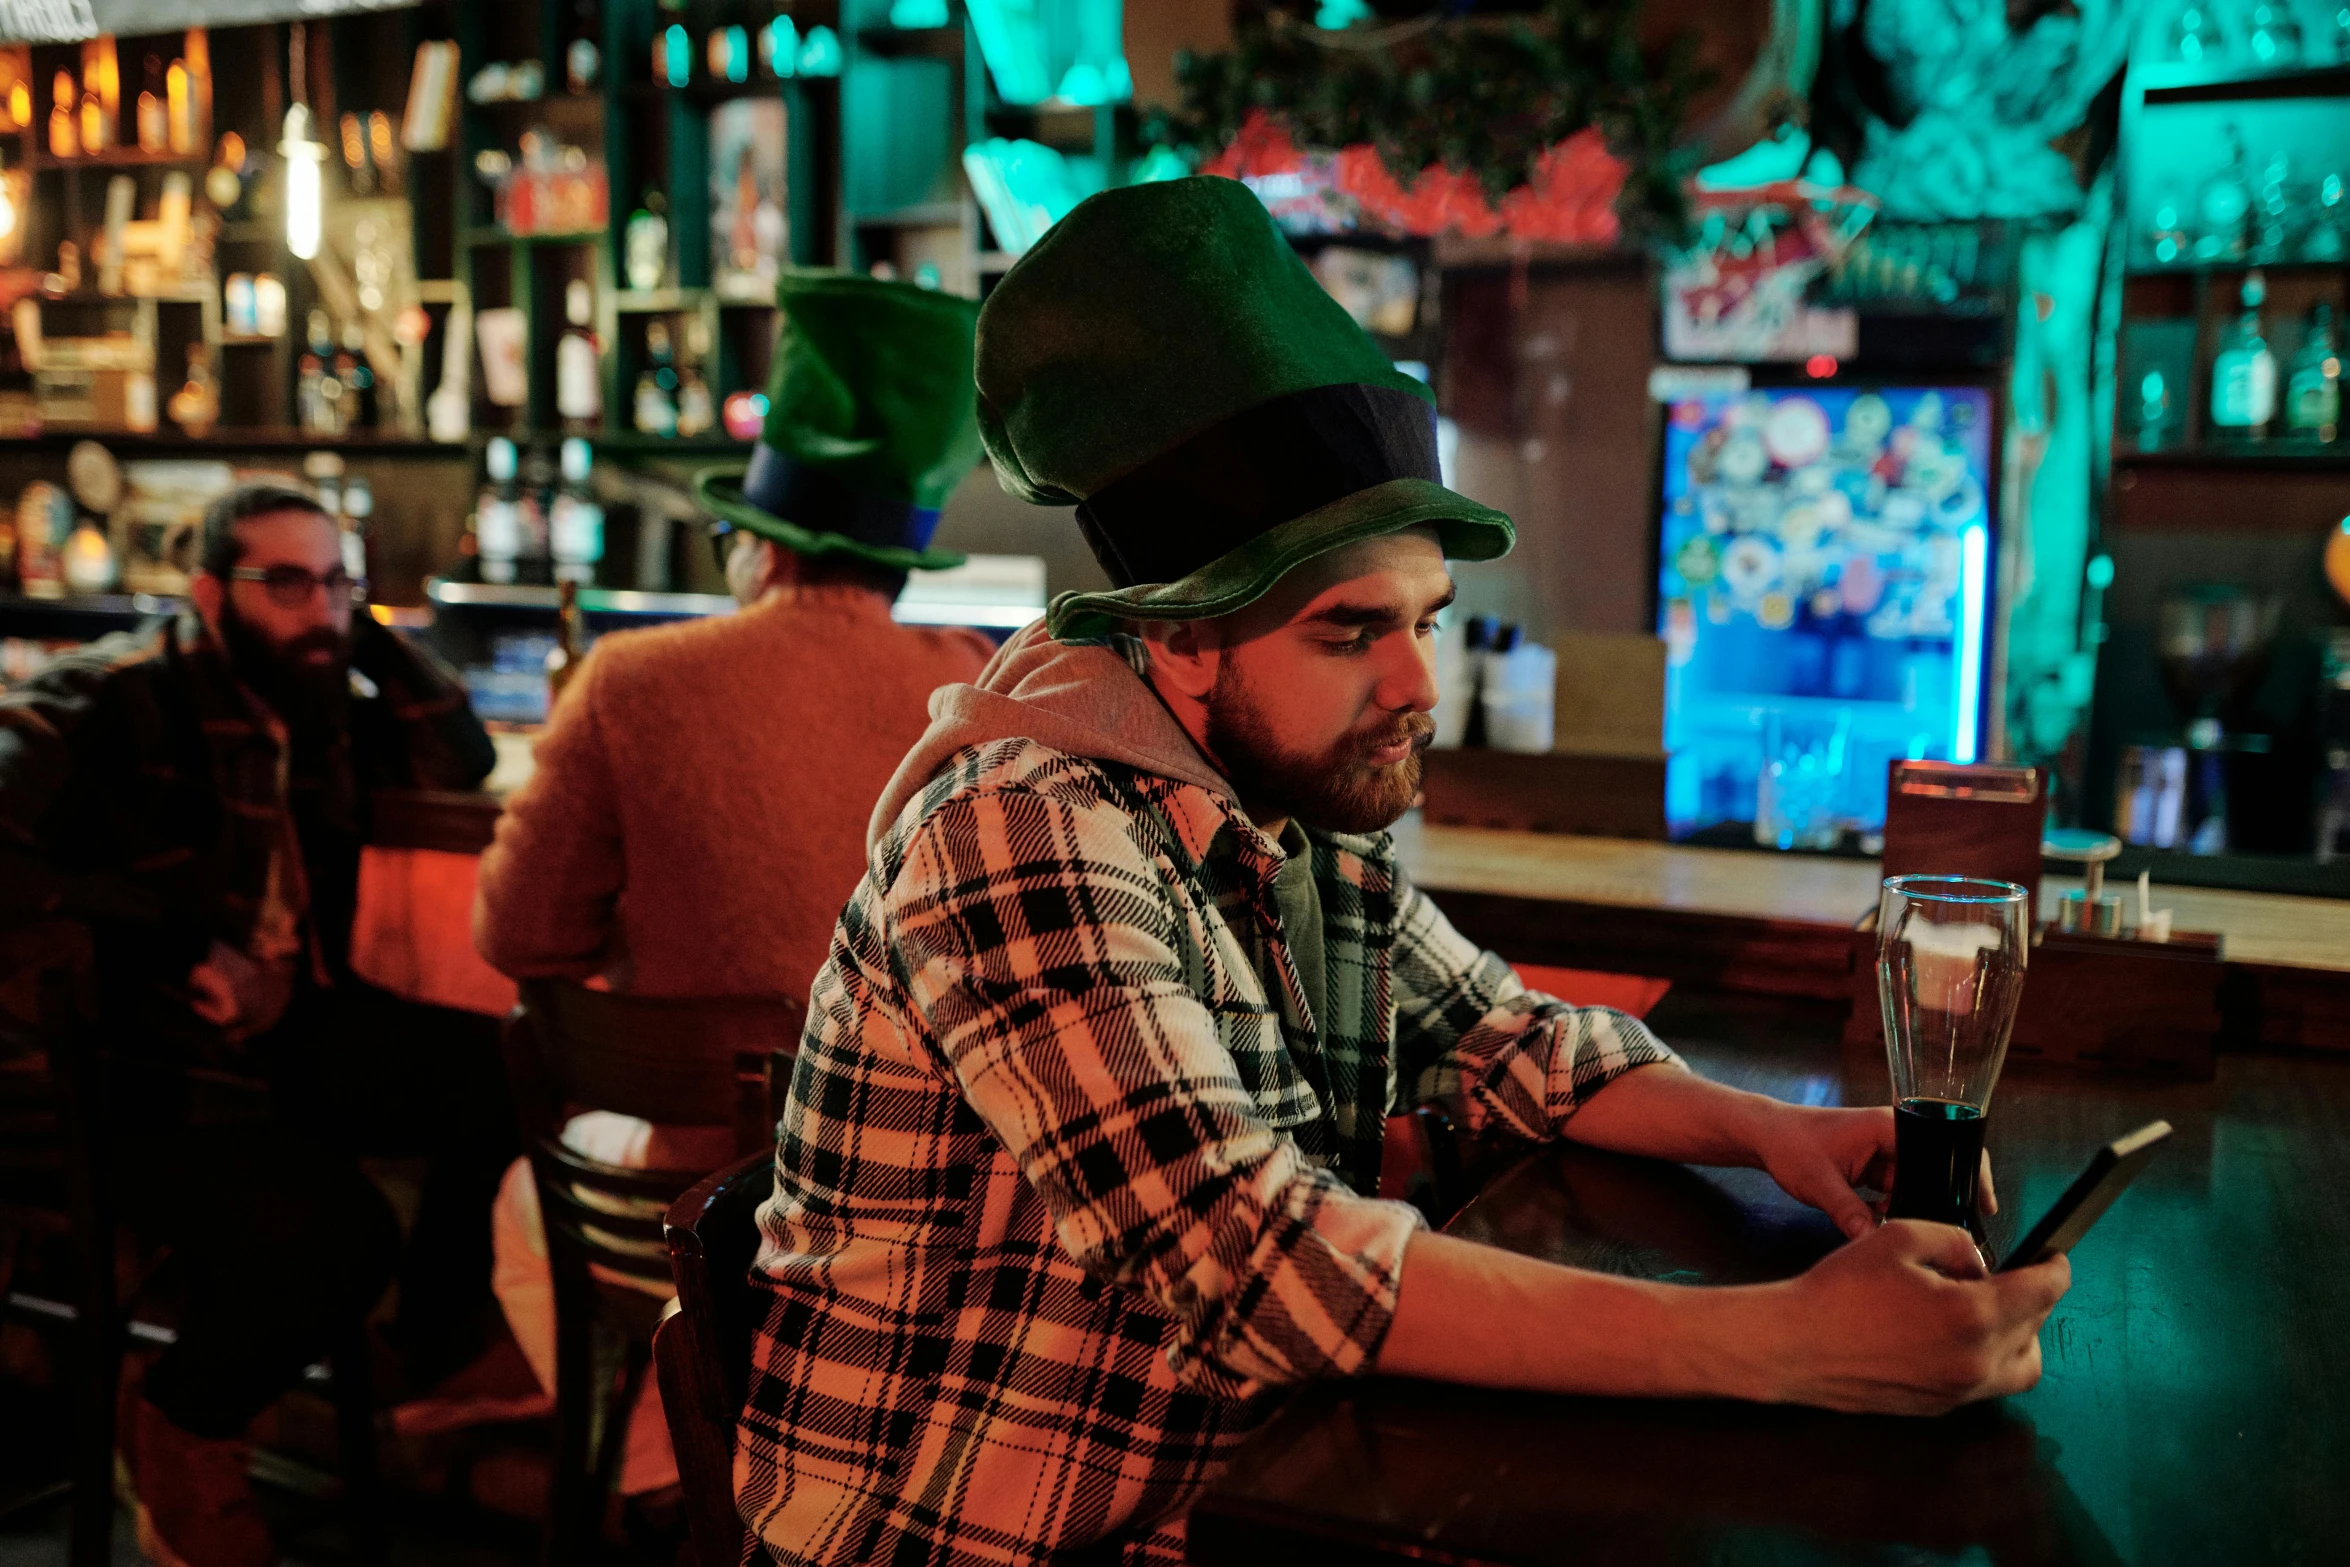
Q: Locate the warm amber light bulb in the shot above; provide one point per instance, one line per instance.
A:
(20, 102)
(232, 151)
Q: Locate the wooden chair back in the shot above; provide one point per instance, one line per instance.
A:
(679, 1063)
(1966, 819)
(689, 1063)
(702, 1353)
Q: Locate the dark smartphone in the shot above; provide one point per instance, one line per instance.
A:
(2111, 1169)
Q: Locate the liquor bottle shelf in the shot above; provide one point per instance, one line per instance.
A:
(2281, 454)
(593, 601)
(914, 607)
(113, 158)
(484, 235)
(79, 616)
(364, 442)
(2179, 82)
(2235, 268)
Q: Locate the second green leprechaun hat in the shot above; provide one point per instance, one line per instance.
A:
(1164, 359)
(869, 422)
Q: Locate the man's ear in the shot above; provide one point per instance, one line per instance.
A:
(206, 592)
(1185, 654)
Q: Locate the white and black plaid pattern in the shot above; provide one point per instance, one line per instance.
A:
(1060, 1200)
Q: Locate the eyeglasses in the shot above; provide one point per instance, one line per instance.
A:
(290, 587)
(722, 535)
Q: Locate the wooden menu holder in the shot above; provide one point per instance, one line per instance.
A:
(2098, 1002)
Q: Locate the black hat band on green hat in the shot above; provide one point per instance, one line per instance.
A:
(1252, 472)
(823, 500)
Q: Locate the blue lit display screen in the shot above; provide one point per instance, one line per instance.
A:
(1823, 598)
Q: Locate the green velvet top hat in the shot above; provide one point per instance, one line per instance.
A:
(1164, 359)
(869, 423)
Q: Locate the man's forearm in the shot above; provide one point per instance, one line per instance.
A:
(1490, 1318)
(1665, 1112)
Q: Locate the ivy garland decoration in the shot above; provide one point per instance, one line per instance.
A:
(1474, 96)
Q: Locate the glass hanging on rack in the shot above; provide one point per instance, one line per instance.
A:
(2329, 228)
(2195, 36)
(2222, 206)
(2166, 236)
(2273, 224)
(2272, 36)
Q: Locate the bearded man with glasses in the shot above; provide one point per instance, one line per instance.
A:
(195, 792)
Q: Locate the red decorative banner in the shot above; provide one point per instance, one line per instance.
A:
(1570, 200)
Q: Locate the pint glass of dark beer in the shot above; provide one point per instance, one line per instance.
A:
(1950, 967)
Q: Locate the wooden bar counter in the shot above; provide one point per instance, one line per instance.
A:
(2194, 1409)
(1726, 919)
(1781, 924)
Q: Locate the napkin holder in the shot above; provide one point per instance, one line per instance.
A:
(2097, 1003)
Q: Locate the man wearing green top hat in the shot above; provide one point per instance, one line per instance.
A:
(697, 814)
(1081, 1160)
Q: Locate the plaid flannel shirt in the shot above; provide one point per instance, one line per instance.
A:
(145, 790)
(1063, 1194)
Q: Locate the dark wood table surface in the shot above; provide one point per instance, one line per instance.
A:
(2195, 1407)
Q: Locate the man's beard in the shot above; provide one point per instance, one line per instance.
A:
(308, 696)
(1338, 790)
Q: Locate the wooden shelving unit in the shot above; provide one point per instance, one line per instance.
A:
(2202, 505)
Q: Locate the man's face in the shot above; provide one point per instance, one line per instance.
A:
(294, 655)
(1320, 705)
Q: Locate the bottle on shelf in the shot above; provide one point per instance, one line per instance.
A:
(324, 470)
(362, 400)
(2279, 209)
(656, 385)
(575, 523)
(646, 246)
(2313, 392)
(497, 515)
(2224, 204)
(65, 137)
(2244, 371)
(697, 410)
(94, 137)
(579, 388)
(196, 48)
(2153, 410)
(2329, 227)
(178, 112)
(583, 57)
(570, 647)
(358, 526)
(195, 407)
(314, 411)
(139, 402)
(533, 499)
(154, 125)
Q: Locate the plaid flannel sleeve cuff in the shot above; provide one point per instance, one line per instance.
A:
(1313, 1298)
(1472, 1037)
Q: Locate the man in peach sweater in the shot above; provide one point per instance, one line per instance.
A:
(696, 820)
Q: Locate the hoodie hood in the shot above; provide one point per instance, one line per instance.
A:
(1083, 699)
